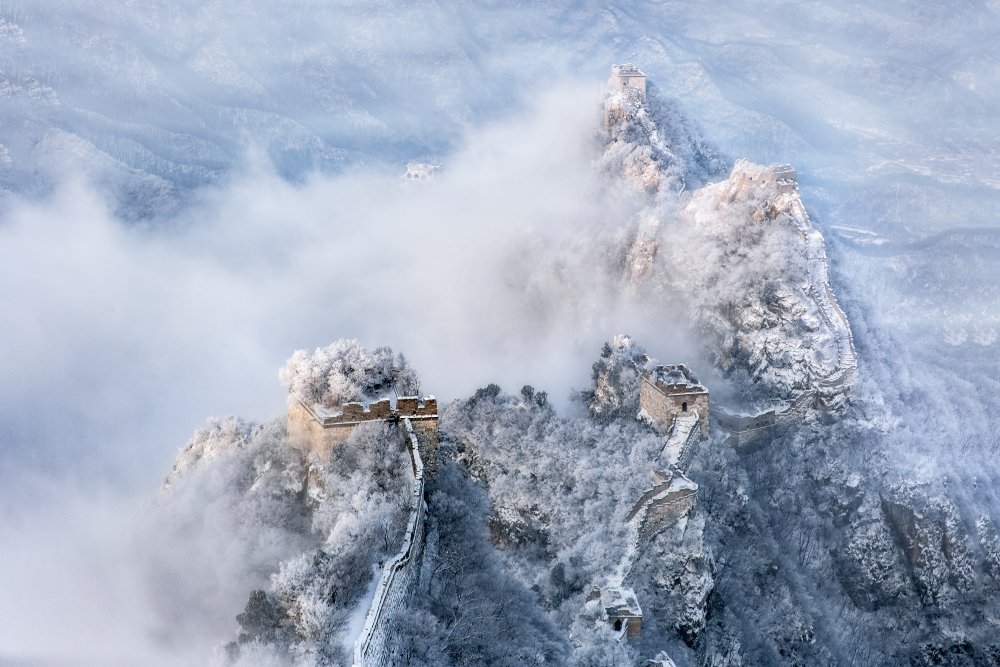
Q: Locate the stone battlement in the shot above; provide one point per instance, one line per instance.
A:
(412, 407)
(627, 77)
(316, 429)
(669, 392)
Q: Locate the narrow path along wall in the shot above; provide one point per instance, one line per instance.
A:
(400, 575)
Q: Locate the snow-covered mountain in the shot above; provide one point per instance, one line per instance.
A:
(802, 536)
(801, 208)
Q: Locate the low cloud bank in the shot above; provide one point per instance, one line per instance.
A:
(122, 340)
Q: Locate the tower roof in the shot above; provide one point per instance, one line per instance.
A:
(627, 70)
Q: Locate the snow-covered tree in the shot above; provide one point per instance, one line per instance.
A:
(345, 371)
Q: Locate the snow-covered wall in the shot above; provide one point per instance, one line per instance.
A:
(400, 576)
(317, 429)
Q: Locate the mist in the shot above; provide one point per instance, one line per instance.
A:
(129, 336)
(193, 191)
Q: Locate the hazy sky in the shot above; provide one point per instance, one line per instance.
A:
(196, 189)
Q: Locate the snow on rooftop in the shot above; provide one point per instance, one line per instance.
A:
(674, 374)
(626, 69)
(620, 601)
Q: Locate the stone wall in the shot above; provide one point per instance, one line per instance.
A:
(426, 430)
(307, 434)
(400, 577)
(316, 429)
(675, 496)
(664, 511)
(736, 423)
(412, 406)
(753, 429)
(663, 403)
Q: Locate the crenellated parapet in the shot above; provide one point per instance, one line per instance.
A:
(351, 413)
(417, 408)
(317, 429)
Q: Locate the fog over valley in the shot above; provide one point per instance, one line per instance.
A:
(797, 201)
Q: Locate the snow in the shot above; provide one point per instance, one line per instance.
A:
(881, 106)
(678, 439)
(356, 621)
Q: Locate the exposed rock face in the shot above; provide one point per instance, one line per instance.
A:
(765, 298)
(739, 256)
(652, 146)
(740, 260)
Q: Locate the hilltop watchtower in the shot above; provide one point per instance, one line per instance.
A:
(784, 178)
(316, 429)
(667, 393)
(627, 77)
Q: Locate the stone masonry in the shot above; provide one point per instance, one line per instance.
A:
(668, 392)
(627, 77)
(316, 429)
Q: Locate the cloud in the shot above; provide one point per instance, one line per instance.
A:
(118, 340)
(122, 339)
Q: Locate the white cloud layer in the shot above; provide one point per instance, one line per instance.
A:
(126, 338)
(117, 340)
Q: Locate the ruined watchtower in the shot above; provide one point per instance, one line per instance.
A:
(316, 429)
(667, 393)
(784, 178)
(623, 610)
(627, 77)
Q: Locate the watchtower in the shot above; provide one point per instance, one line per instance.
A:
(316, 429)
(784, 178)
(623, 611)
(627, 77)
(667, 393)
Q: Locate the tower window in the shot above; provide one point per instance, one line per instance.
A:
(684, 406)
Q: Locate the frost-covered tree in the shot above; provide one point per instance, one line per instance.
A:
(358, 518)
(469, 610)
(560, 489)
(615, 390)
(345, 371)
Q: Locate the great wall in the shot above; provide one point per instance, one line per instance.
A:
(827, 392)
(671, 401)
(673, 404)
(676, 406)
(315, 430)
(400, 576)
